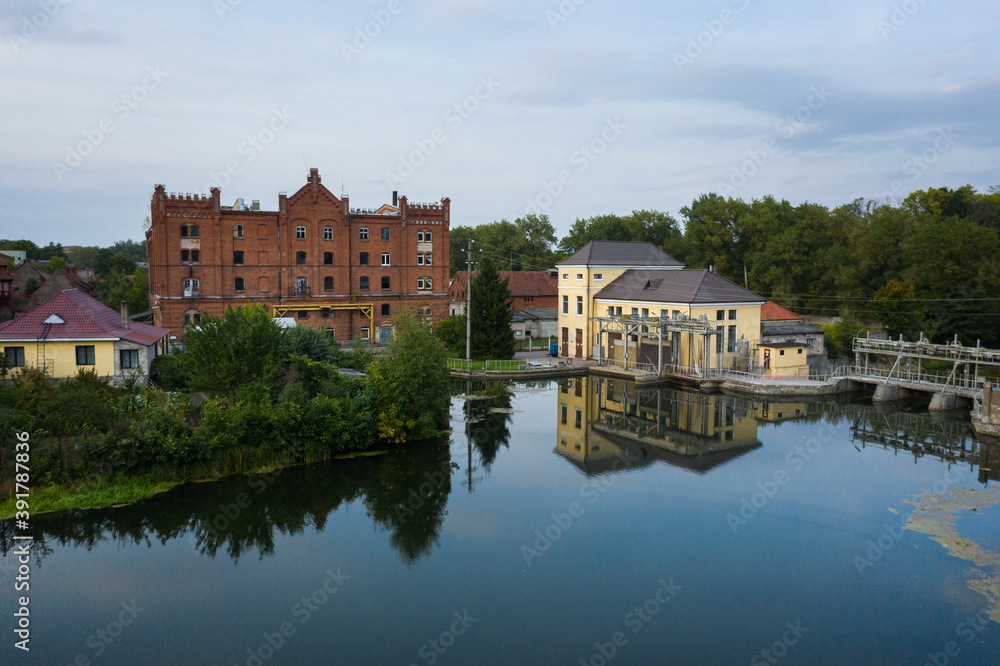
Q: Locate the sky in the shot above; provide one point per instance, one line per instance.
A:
(572, 109)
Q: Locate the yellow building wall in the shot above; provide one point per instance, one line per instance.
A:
(791, 364)
(692, 350)
(580, 281)
(59, 356)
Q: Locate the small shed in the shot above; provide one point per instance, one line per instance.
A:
(783, 360)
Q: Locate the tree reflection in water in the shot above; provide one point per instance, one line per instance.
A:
(404, 491)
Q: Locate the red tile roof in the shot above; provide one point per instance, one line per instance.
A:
(771, 311)
(521, 283)
(85, 317)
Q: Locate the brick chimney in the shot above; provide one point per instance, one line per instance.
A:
(125, 315)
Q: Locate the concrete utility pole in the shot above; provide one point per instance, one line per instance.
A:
(468, 307)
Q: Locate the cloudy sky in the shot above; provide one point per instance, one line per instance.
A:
(571, 108)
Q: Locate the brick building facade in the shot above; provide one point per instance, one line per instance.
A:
(315, 251)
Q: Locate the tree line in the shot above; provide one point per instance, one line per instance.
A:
(926, 264)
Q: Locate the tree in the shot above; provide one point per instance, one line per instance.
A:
(411, 382)
(56, 263)
(490, 310)
(458, 244)
(451, 331)
(893, 306)
(83, 256)
(237, 349)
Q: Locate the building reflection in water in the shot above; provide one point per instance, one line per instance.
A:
(606, 425)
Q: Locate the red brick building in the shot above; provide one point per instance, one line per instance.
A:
(315, 257)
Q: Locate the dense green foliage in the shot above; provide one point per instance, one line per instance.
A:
(452, 331)
(490, 312)
(269, 397)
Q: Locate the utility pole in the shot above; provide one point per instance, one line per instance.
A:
(468, 307)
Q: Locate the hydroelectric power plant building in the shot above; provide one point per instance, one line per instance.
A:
(344, 270)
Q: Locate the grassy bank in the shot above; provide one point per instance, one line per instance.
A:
(89, 494)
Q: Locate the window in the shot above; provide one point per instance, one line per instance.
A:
(578, 420)
(385, 258)
(565, 309)
(800, 351)
(635, 312)
(720, 315)
(328, 258)
(385, 282)
(300, 257)
(328, 283)
(129, 358)
(327, 233)
(364, 283)
(598, 277)
(424, 283)
(192, 317)
(363, 259)
(420, 237)
(385, 233)
(579, 305)
(364, 332)
(420, 258)
(237, 231)
(427, 237)
(185, 256)
(184, 231)
(194, 231)
(427, 259)
(237, 258)
(239, 284)
(732, 315)
(85, 355)
(194, 256)
(731, 347)
(645, 313)
(300, 233)
(720, 339)
(15, 356)
(562, 414)
(363, 233)
(191, 288)
(579, 276)
(565, 276)
(303, 314)
(385, 309)
(420, 283)
(781, 352)
(301, 286)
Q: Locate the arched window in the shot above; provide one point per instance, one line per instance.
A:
(193, 230)
(192, 318)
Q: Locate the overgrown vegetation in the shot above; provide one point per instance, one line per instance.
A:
(267, 397)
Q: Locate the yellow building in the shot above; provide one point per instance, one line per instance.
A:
(72, 331)
(783, 360)
(631, 303)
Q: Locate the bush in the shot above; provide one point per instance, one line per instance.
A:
(170, 372)
(238, 349)
(305, 341)
(451, 331)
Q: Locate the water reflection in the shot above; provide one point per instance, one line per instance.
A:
(404, 492)
(605, 425)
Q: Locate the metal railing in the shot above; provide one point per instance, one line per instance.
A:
(513, 365)
(918, 375)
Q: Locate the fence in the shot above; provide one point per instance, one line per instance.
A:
(513, 365)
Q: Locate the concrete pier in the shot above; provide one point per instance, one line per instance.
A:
(941, 402)
(890, 392)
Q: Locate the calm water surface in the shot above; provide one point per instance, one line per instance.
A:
(582, 522)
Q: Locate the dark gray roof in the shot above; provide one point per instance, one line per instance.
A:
(684, 286)
(791, 328)
(621, 253)
(531, 314)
